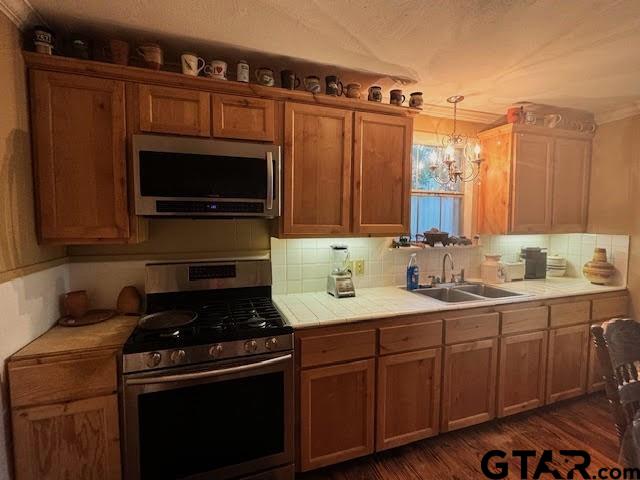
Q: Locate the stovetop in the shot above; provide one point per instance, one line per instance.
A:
(221, 318)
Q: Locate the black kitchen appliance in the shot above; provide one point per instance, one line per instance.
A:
(535, 262)
(208, 376)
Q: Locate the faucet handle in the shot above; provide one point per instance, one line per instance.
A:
(434, 280)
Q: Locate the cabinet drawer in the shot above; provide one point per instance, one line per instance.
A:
(608, 308)
(243, 118)
(51, 380)
(524, 320)
(569, 313)
(410, 337)
(339, 347)
(473, 327)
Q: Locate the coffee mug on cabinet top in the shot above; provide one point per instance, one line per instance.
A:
(375, 94)
(514, 114)
(587, 127)
(192, 64)
(216, 69)
(415, 100)
(530, 118)
(152, 55)
(333, 86)
(289, 80)
(117, 51)
(552, 120)
(312, 84)
(353, 90)
(43, 40)
(396, 97)
(265, 77)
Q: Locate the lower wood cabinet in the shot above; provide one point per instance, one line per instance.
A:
(595, 382)
(522, 372)
(78, 439)
(408, 406)
(567, 362)
(469, 384)
(336, 413)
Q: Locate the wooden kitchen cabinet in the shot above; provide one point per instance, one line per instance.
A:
(533, 180)
(469, 384)
(521, 377)
(77, 439)
(567, 362)
(595, 381)
(174, 110)
(336, 413)
(382, 173)
(79, 142)
(243, 118)
(317, 170)
(408, 407)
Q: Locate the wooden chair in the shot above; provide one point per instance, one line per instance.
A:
(617, 344)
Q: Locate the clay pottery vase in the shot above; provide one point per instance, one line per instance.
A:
(129, 301)
(598, 270)
(76, 304)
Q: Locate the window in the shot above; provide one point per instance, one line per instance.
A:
(433, 205)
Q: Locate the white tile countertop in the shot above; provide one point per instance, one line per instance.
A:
(314, 309)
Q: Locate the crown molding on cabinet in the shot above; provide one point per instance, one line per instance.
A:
(21, 13)
(466, 115)
(618, 114)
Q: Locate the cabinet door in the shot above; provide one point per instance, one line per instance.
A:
(244, 118)
(79, 157)
(523, 359)
(571, 160)
(69, 440)
(531, 207)
(469, 387)
(174, 110)
(317, 170)
(595, 382)
(567, 362)
(408, 397)
(382, 174)
(336, 413)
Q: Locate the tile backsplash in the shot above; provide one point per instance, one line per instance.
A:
(577, 248)
(302, 265)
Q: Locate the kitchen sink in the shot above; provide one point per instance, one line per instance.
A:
(468, 292)
(486, 291)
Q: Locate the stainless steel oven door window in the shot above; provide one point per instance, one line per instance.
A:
(184, 176)
(222, 420)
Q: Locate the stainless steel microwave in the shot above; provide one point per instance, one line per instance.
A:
(201, 177)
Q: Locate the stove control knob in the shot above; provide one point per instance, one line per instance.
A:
(251, 346)
(177, 356)
(271, 343)
(153, 359)
(215, 351)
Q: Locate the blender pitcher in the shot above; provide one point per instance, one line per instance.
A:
(340, 260)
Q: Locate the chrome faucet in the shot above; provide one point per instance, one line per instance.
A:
(444, 266)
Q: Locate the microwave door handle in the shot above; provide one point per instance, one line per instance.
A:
(269, 181)
(208, 373)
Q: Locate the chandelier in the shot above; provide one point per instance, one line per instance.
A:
(459, 158)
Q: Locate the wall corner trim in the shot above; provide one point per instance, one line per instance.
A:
(617, 114)
(21, 13)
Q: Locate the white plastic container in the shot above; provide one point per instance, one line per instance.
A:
(491, 269)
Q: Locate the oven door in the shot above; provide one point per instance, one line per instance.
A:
(222, 420)
(196, 177)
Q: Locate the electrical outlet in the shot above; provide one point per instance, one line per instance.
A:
(359, 267)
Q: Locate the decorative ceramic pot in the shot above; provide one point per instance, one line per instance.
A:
(598, 270)
(129, 301)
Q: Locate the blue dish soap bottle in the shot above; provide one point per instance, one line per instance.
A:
(413, 273)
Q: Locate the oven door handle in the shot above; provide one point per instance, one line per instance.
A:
(207, 373)
(269, 181)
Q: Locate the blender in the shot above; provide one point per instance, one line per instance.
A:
(339, 282)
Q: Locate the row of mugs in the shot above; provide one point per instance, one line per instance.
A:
(551, 120)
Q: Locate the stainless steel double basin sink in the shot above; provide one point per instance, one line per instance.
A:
(466, 292)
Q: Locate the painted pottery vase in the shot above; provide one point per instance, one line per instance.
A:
(598, 270)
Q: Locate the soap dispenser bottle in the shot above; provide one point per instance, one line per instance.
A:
(413, 273)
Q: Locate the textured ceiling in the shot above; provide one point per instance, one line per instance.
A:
(572, 53)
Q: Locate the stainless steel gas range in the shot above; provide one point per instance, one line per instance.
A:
(208, 376)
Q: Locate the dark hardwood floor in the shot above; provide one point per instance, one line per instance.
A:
(582, 424)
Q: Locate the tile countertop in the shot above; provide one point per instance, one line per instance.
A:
(315, 309)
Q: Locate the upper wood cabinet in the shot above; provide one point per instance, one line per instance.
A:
(382, 173)
(243, 118)
(336, 413)
(317, 170)
(534, 180)
(79, 158)
(174, 110)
